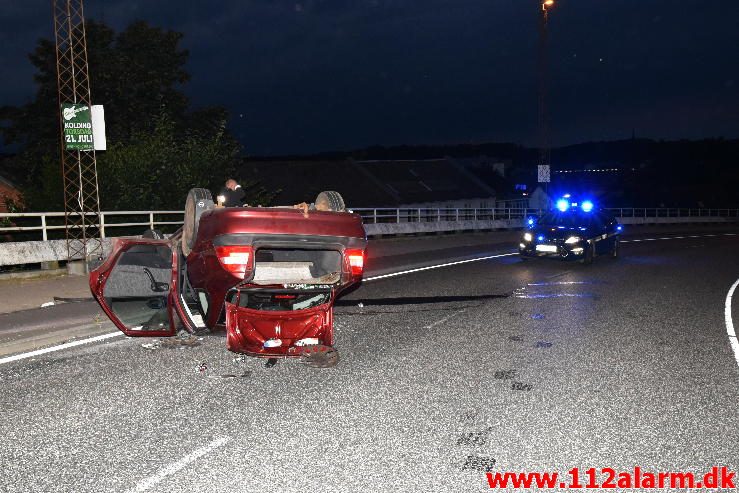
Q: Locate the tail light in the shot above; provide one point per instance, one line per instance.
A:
(236, 259)
(355, 258)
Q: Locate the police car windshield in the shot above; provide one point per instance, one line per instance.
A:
(569, 219)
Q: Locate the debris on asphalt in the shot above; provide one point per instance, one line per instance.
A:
(180, 342)
(515, 338)
(475, 438)
(319, 356)
(544, 344)
(151, 345)
(270, 363)
(246, 374)
(479, 463)
(537, 316)
(48, 303)
(58, 299)
(521, 386)
(360, 305)
(504, 374)
(203, 367)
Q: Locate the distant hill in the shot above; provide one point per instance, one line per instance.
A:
(684, 172)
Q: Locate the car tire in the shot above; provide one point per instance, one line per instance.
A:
(334, 199)
(198, 201)
(153, 234)
(614, 251)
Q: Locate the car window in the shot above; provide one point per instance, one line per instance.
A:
(138, 287)
(282, 301)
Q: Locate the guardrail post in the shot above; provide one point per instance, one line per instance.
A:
(438, 215)
(374, 215)
(43, 227)
(456, 211)
(419, 215)
(102, 225)
(397, 216)
(151, 220)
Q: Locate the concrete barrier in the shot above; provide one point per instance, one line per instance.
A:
(33, 252)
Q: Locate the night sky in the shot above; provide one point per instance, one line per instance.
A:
(314, 75)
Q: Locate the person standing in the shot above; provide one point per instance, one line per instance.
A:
(231, 195)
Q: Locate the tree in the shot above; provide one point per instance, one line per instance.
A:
(158, 147)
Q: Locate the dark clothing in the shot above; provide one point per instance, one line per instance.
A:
(234, 198)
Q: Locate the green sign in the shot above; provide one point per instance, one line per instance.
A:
(77, 124)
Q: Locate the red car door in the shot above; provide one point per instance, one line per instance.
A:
(137, 287)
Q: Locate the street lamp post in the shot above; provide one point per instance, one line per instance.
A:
(544, 144)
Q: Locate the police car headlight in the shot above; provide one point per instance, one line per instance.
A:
(527, 237)
(572, 240)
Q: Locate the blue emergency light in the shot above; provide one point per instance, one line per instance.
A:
(563, 205)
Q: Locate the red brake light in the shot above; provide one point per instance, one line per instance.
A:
(356, 261)
(236, 259)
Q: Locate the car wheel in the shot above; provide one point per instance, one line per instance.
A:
(334, 199)
(614, 252)
(198, 201)
(153, 234)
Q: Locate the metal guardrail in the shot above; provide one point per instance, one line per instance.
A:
(379, 215)
(389, 215)
(107, 221)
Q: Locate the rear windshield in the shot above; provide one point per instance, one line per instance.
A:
(270, 301)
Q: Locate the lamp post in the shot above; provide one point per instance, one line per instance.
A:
(544, 144)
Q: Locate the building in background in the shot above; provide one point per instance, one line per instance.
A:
(407, 183)
(9, 193)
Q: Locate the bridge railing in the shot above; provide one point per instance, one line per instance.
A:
(420, 214)
(46, 223)
(43, 225)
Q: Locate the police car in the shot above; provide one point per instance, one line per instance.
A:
(574, 230)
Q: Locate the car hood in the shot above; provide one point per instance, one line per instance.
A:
(558, 232)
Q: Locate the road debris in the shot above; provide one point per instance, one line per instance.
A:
(319, 356)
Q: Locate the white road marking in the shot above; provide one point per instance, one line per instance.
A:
(637, 240)
(179, 465)
(394, 274)
(458, 312)
(59, 347)
(729, 324)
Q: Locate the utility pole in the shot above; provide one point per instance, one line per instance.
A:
(545, 152)
(79, 167)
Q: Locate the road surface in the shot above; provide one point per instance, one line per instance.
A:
(491, 365)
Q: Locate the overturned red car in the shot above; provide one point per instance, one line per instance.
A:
(269, 275)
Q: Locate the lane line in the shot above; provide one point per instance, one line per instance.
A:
(179, 465)
(729, 324)
(638, 240)
(401, 273)
(66, 345)
(441, 321)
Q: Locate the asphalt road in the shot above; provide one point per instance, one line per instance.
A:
(496, 364)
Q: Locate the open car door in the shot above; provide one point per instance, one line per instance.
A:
(137, 287)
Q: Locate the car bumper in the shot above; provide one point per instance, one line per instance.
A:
(561, 251)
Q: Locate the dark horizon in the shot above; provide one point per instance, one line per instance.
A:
(319, 76)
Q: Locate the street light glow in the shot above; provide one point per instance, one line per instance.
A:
(546, 4)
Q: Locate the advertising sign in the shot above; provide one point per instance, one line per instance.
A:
(544, 173)
(77, 125)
